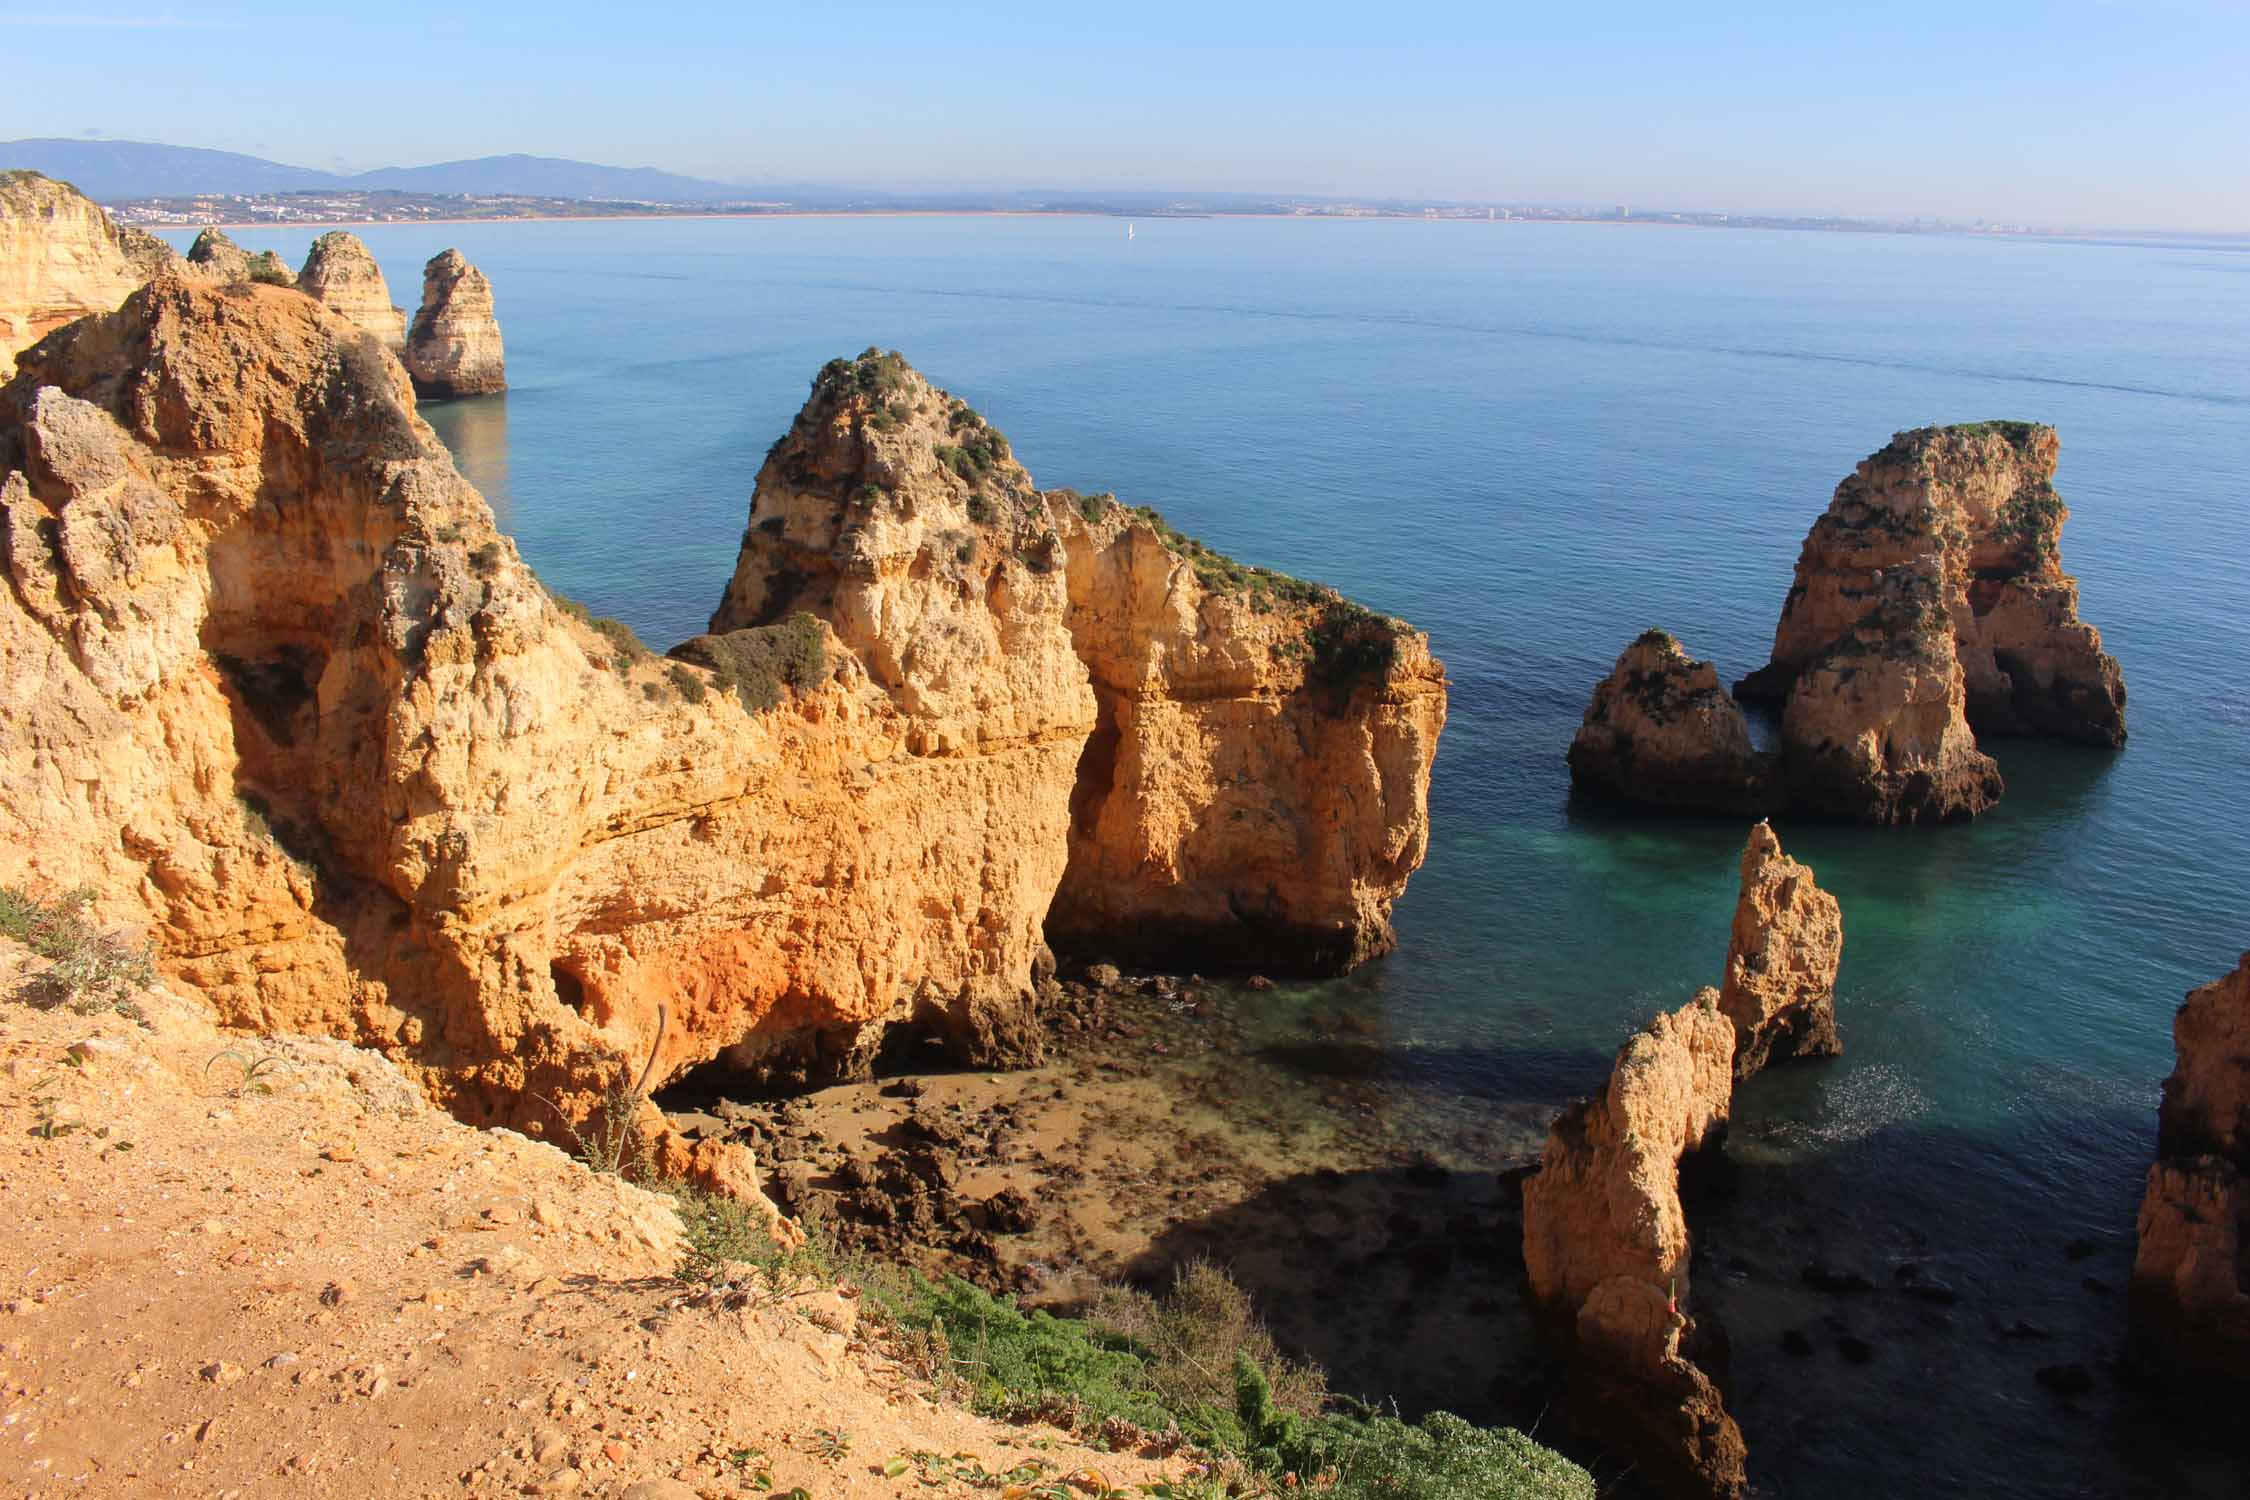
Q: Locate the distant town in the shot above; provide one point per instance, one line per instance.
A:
(395, 207)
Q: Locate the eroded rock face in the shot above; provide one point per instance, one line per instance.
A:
(1929, 606)
(61, 258)
(340, 274)
(1662, 731)
(217, 257)
(1249, 755)
(454, 348)
(2191, 1272)
(274, 685)
(1782, 957)
(1606, 1252)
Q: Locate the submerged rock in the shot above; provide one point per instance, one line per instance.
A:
(341, 275)
(454, 347)
(1782, 956)
(1661, 730)
(2190, 1294)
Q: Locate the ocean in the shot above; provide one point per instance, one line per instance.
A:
(1533, 441)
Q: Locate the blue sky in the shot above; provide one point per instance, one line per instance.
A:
(2073, 112)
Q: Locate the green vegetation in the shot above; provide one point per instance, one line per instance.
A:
(625, 646)
(88, 969)
(268, 269)
(2032, 519)
(1221, 574)
(875, 373)
(1351, 643)
(1660, 638)
(1195, 1360)
(685, 683)
(756, 664)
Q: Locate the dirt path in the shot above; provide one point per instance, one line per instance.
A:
(308, 1282)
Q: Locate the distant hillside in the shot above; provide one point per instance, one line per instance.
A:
(109, 171)
(547, 176)
(114, 171)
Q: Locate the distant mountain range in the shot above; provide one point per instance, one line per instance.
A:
(118, 171)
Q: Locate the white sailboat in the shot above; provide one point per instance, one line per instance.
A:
(1128, 230)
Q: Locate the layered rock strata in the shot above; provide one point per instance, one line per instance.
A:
(454, 348)
(61, 258)
(2191, 1273)
(1606, 1254)
(341, 275)
(1250, 755)
(273, 684)
(1929, 606)
(1782, 956)
(1661, 730)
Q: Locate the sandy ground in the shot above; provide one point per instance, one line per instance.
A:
(308, 1282)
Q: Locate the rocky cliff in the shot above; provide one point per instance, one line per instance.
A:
(1661, 730)
(1929, 606)
(274, 685)
(453, 348)
(340, 274)
(1606, 1254)
(216, 256)
(61, 258)
(2191, 1273)
(1249, 755)
(1782, 955)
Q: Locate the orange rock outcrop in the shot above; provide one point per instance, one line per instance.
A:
(1930, 606)
(274, 685)
(1782, 955)
(61, 258)
(454, 349)
(1247, 757)
(340, 274)
(1606, 1253)
(2191, 1272)
(1661, 730)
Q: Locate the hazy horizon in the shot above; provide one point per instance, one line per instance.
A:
(2069, 114)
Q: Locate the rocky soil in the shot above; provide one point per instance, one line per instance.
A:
(248, 1266)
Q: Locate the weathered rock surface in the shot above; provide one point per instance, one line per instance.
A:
(61, 258)
(273, 684)
(1661, 730)
(340, 274)
(216, 255)
(454, 348)
(1606, 1253)
(2191, 1272)
(1782, 957)
(1930, 605)
(1248, 756)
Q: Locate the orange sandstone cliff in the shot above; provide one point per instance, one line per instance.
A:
(1661, 730)
(340, 274)
(1782, 955)
(453, 349)
(61, 258)
(273, 684)
(2191, 1272)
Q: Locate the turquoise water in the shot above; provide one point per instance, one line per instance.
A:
(1533, 441)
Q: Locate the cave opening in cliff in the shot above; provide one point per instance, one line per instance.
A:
(569, 988)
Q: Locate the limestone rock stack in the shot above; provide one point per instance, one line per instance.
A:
(453, 348)
(340, 274)
(1929, 607)
(275, 687)
(216, 255)
(61, 258)
(1661, 730)
(1782, 956)
(1249, 755)
(1606, 1253)
(2191, 1273)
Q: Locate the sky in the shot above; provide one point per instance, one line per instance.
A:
(2069, 113)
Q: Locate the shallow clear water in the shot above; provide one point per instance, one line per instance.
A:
(1533, 441)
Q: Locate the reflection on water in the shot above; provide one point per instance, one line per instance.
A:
(476, 429)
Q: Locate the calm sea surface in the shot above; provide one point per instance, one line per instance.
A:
(1533, 441)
